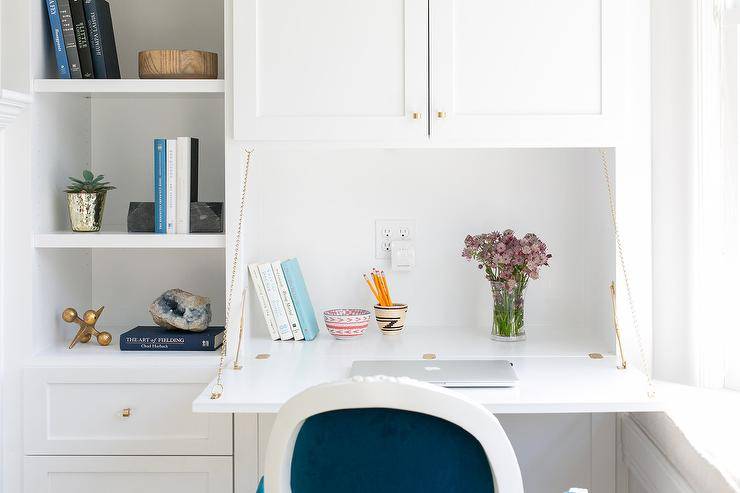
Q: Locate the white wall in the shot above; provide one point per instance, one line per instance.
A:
(320, 206)
(674, 90)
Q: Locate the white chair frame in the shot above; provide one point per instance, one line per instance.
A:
(393, 393)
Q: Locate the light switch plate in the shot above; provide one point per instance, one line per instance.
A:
(388, 230)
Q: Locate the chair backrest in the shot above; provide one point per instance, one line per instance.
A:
(434, 424)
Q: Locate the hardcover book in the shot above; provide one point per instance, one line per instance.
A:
(171, 200)
(155, 338)
(102, 40)
(68, 36)
(282, 285)
(160, 186)
(83, 46)
(57, 39)
(259, 289)
(187, 181)
(301, 300)
(276, 304)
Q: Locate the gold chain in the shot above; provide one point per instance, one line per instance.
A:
(218, 387)
(623, 265)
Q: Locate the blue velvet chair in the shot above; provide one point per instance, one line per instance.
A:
(380, 434)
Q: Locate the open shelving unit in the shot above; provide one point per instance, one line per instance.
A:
(109, 126)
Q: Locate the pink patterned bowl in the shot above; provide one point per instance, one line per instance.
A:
(346, 323)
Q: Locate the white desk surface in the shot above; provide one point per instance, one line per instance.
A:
(568, 383)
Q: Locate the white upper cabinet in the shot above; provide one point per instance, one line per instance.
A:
(486, 72)
(333, 70)
(525, 72)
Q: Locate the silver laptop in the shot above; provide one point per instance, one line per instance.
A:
(447, 373)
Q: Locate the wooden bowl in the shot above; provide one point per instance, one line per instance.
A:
(178, 64)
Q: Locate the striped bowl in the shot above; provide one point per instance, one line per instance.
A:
(346, 323)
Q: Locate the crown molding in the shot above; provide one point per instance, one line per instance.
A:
(12, 104)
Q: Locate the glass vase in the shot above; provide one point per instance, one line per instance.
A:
(508, 311)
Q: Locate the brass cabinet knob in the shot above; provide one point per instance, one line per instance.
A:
(441, 114)
(416, 115)
(126, 412)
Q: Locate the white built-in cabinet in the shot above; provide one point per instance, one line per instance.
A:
(503, 72)
(330, 70)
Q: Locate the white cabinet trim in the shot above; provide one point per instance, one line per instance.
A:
(12, 104)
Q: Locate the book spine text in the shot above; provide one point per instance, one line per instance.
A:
(259, 288)
(282, 286)
(58, 39)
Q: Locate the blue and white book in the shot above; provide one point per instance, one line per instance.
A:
(57, 38)
(295, 325)
(259, 289)
(160, 186)
(276, 304)
(171, 200)
(301, 300)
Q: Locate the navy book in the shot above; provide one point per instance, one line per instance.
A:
(70, 41)
(57, 39)
(101, 39)
(155, 338)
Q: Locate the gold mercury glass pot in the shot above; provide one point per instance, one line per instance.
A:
(86, 210)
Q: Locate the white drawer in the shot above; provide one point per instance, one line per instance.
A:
(80, 411)
(71, 474)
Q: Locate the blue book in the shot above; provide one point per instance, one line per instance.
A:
(301, 300)
(57, 38)
(160, 186)
(154, 338)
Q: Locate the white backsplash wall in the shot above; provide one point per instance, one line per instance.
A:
(321, 206)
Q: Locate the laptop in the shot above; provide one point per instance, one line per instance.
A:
(446, 373)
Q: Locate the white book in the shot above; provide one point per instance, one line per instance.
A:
(183, 185)
(171, 183)
(295, 325)
(276, 304)
(259, 288)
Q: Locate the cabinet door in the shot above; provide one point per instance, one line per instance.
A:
(88, 474)
(341, 70)
(525, 72)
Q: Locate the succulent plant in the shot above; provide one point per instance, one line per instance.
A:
(89, 184)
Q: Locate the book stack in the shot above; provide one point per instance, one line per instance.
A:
(82, 35)
(175, 183)
(283, 297)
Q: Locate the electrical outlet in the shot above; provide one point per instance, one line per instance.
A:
(389, 230)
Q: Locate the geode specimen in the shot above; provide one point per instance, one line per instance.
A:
(178, 309)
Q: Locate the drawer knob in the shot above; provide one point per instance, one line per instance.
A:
(126, 412)
(416, 115)
(441, 114)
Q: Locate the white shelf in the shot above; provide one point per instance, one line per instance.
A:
(127, 240)
(93, 355)
(119, 87)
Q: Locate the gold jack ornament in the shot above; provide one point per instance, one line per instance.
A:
(87, 326)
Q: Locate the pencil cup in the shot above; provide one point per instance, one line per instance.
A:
(391, 319)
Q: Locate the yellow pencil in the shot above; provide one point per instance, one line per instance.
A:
(379, 287)
(387, 290)
(375, 293)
